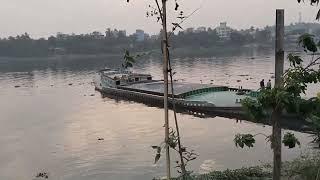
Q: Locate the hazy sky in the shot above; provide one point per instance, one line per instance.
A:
(46, 17)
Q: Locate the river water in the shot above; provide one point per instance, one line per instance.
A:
(49, 125)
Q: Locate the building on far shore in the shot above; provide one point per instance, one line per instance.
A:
(200, 29)
(189, 30)
(154, 37)
(115, 33)
(223, 31)
(122, 33)
(140, 35)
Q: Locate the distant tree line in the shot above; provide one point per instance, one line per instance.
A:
(111, 42)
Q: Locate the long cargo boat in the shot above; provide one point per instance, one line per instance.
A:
(202, 99)
(197, 99)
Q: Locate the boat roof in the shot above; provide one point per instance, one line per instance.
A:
(179, 87)
(111, 73)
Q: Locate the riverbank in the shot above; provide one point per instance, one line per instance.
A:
(181, 52)
(302, 168)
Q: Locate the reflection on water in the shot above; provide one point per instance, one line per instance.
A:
(51, 125)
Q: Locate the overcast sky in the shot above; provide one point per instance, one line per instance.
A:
(46, 17)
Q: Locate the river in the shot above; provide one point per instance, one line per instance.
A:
(52, 121)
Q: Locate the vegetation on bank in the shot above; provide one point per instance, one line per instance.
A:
(303, 168)
(97, 43)
(114, 42)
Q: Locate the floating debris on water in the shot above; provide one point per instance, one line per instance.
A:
(42, 175)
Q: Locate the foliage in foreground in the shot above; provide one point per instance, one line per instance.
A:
(238, 174)
(287, 99)
(303, 168)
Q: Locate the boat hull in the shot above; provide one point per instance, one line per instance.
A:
(194, 107)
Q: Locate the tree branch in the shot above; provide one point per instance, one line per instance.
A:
(159, 9)
(312, 63)
(183, 20)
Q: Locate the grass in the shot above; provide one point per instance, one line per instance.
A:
(302, 168)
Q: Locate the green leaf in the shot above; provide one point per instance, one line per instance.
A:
(307, 42)
(318, 15)
(294, 60)
(154, 147)
(242, 140)
(290, 140)
(156, 159)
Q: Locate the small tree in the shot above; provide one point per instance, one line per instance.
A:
(172, 137)
(128, 60)
(287, 99)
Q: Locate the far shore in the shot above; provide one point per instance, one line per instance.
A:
(175, 52)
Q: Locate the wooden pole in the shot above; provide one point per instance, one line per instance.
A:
(165, 77)
(279, 67)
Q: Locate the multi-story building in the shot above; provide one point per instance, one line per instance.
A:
(140, 35)
(223, 31)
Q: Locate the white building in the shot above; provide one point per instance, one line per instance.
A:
(223, 31)
(140, 35)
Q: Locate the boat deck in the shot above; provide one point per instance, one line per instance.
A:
(180, 89)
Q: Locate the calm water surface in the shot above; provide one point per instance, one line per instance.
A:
(48, 125)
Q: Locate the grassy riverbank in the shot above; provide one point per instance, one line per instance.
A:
(302, 168)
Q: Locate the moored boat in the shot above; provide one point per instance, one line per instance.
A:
(198, 98)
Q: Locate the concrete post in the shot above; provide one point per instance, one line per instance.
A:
(276, 114)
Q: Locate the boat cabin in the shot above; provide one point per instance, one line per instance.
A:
(114, 78)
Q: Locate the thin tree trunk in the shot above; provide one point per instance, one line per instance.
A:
(182, 164)
(165, 76)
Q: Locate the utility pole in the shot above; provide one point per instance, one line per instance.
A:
(165, 77)
(276, 114)
(279, 64)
